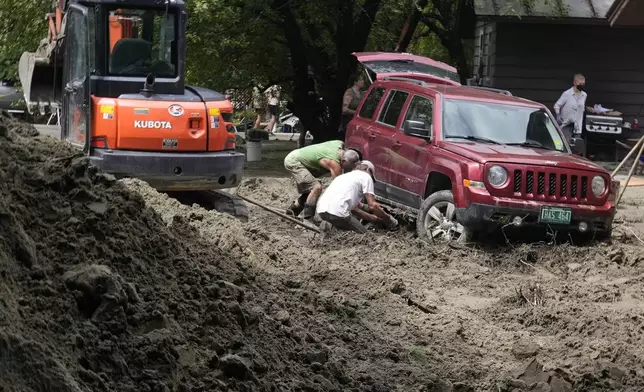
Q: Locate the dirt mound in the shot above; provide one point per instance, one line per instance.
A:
(98, 293)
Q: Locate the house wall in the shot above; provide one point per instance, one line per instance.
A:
(484, 50)
(537, 61)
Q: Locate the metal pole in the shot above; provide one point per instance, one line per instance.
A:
(627, 156)
(284, 216)
(630, 173)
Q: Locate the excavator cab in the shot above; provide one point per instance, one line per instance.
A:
(116, 71)
(114, 50)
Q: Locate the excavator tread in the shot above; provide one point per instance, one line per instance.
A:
(216, 200)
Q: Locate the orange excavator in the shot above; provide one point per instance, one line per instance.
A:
(114, 71)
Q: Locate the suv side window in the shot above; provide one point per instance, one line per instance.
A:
(371, 103)
(393, 107)
(420, 109)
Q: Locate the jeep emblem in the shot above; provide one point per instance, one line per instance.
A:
(175, 110)
(152, 124)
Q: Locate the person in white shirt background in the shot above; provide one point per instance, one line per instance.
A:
(570, 108)
(273, 94)
(341, 203)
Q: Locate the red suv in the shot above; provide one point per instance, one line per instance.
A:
(463, 158)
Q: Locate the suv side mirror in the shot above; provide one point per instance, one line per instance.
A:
(417, 128)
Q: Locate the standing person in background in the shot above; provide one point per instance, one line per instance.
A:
(258, 107)
(273, 94)
(350, 102)
(570, 107)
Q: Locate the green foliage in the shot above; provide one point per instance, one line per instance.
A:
(233, 44)
(22, 26)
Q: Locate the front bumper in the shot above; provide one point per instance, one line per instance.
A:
(174, 171)
(479, 216)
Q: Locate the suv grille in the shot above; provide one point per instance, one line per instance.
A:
(557, 186)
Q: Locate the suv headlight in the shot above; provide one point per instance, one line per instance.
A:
(598, 186)
(497, 176)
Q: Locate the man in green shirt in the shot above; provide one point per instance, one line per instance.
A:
(309, 163)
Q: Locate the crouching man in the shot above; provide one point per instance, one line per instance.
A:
(309, 163)
(341, 203)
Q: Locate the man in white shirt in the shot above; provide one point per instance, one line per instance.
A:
(570, 108)
(341, 204)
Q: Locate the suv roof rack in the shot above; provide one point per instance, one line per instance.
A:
(409, 80)
(494, 90)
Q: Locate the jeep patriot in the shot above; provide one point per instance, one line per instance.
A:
(467, 159)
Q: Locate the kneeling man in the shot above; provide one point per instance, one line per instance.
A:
(341, 203)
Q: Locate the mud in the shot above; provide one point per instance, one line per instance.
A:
(110, 286)
(500, 317)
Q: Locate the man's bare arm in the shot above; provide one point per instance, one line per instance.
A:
(371, 201)
(332, 166)
(346, 101)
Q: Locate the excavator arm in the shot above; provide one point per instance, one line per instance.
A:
(41, 71)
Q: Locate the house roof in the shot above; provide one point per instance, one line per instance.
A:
(586, 9)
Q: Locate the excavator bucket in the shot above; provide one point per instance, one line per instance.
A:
(41, 80)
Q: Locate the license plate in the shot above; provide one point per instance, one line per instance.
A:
(555, 215)
(170, 143)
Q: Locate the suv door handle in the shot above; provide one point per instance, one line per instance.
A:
(396, 145)
(372, 136)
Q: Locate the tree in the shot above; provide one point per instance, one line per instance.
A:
(234, 44)
(22, 26)
(320, 37)
(451, 21)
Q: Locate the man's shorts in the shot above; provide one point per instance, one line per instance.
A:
(272, 109)
(303, 178)
(350, 222)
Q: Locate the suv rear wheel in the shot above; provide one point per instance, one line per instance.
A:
(437, 219)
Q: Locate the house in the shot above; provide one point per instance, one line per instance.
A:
(533, 47)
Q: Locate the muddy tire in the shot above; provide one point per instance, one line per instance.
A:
(436, 220)
(230, 204)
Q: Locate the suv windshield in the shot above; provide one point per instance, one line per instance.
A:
(501, 124)
(142, 42)
(402, 66)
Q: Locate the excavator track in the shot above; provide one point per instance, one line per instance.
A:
(217, 200)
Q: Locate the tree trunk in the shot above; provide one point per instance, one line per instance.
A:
(351, 36)
(457, 53)
(410, 26)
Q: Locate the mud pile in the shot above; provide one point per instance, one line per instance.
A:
(98, 293)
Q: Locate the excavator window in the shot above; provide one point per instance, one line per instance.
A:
(142, 42)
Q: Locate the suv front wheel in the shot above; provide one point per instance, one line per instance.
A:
(437, 219)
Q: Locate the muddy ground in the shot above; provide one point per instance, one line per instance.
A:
(110, 286)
